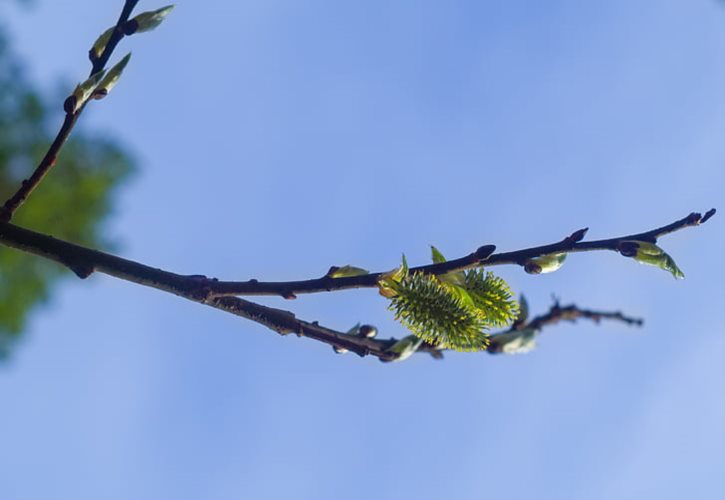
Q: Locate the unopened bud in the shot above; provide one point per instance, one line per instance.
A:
(146, 21)
(111, 79)
(82, 92)
(100, 44)
(545, 264)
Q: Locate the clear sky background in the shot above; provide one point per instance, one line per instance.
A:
(276, 138)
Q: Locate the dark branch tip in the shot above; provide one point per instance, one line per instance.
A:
(484, 252)
(707, 215)
(577, 236)
(694, 218)
(82, 271)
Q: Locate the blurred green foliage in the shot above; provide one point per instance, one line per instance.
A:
(71, 203)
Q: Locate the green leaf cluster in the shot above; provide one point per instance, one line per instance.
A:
(453, 310)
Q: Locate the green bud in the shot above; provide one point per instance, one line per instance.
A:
(405, 347)
(545, 264)
(147, 21)
(346, 272)
(82, 92)
(515, 342)
(100, 44)
(368, 331)
(650, 254)
(111, 79)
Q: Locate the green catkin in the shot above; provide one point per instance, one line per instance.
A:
(492, 297)
(435, 314)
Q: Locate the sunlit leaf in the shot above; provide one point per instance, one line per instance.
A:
(436, 255)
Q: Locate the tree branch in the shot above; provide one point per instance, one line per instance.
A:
(484, 256)
(84, 261)
(27, 186)
(556, 314)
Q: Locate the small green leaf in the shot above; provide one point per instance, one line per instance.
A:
(436, 255)
(545, 264)
(100, 44)
(150, 20)
(405, 347)
(454, 278)
(111, 79)
(348, 272)
(650, 254)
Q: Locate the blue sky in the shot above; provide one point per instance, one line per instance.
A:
(277, 138)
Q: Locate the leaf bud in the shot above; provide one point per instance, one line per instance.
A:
(111, 79)
(146, 21)
(545, 264)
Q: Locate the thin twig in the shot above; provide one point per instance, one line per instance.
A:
(84, 261)
(484, 256)
(556, 314)
(28, 185)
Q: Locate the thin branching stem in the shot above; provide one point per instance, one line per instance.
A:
(484, 256)
(28, 185)
(84, 261)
